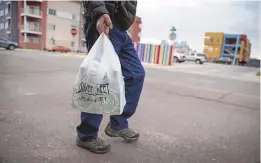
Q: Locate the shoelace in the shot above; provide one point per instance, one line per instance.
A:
(97, 141)
(128, 131)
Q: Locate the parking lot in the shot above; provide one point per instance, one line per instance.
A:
(188, 113)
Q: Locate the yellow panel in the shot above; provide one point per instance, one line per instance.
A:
(214, 38)
(213, 51)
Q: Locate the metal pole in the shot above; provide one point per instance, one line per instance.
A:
(236, 51)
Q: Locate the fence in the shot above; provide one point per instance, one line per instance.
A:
(155, 54)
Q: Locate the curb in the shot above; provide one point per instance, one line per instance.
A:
(74, 55)
(18, 49)
(155, 65)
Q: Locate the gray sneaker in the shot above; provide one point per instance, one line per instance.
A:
(96, 145)
(127, 133)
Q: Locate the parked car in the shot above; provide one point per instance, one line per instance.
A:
(8, 45)
(223, 60)
(179, 57)
(58, 49)
(198, 58)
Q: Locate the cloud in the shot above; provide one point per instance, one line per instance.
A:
(193, 18)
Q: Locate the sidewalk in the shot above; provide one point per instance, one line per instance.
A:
(83, 55)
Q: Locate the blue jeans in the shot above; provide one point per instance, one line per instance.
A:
(133, 73)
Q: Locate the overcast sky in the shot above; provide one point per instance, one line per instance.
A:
(193, 18)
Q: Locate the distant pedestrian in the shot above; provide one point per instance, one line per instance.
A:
(113, 18)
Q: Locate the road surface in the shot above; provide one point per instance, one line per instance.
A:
(187, 114)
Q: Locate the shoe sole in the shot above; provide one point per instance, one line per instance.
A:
(94, 150)
(125, 138)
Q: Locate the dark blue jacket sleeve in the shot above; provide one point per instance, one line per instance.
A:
(95, 9)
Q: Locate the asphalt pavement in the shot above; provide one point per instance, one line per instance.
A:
(188, 113)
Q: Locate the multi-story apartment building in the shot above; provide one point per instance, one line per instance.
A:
(234, 46)
(8, 11)
(61, 18)
(24, 22)
(42, 24)
(31, 24)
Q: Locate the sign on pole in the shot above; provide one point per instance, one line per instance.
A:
(73, 31)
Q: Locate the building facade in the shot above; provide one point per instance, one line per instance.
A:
(25, 23)
(61, 19)
(8, 20)
(238, 46)
(235, 46)
(42, 24)
(31, 24)
(213, 44)
(135, 29)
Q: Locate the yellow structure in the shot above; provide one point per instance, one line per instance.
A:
(213, 44)
(245, 50)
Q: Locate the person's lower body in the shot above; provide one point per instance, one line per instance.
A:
(134, 74)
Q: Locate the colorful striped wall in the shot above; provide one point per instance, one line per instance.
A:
(155, 54)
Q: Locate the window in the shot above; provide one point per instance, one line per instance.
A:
(74, 17)
(51, 27)
(209, 39)
(64, 15)
(192, 54)
(1, 13)
(52, 12)
(1, 26)
(6, 25)
(201, 55)
(72, 44)
(6, 11)
(33, 39)
(9, 7)
(34, 26)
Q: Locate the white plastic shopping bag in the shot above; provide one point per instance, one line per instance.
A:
(99, 85)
